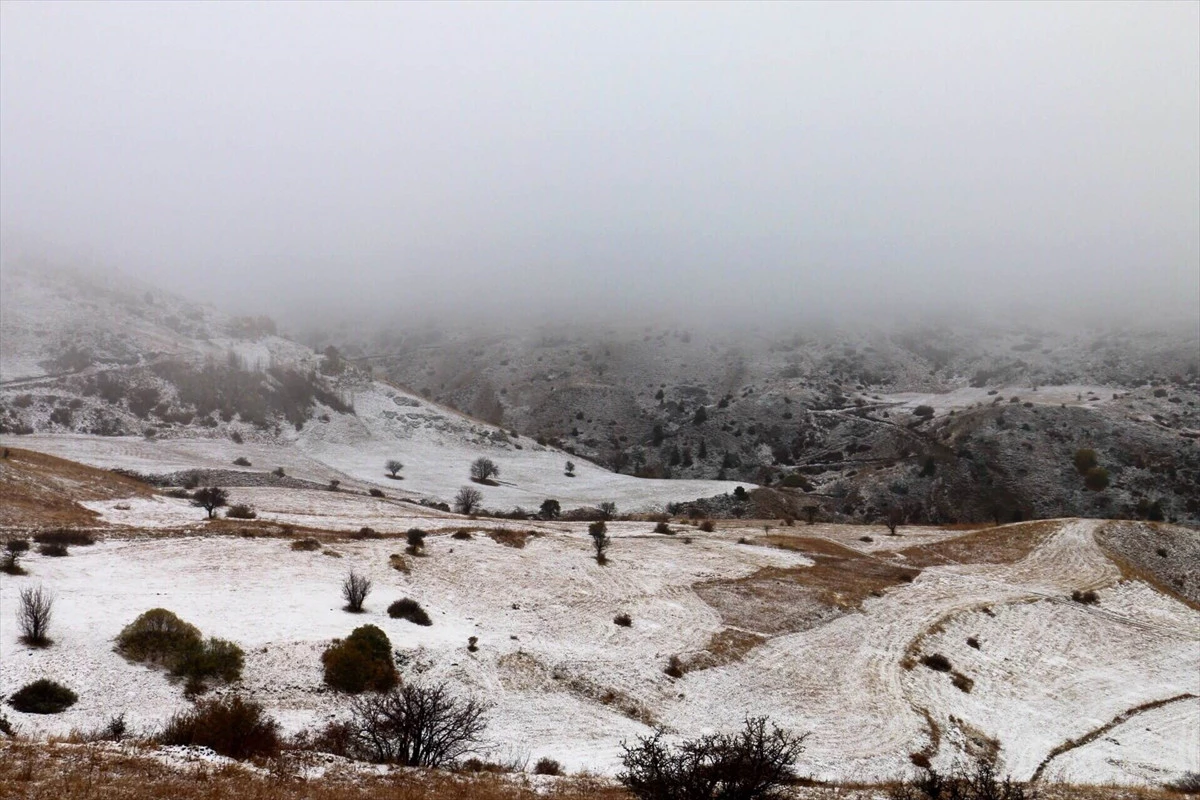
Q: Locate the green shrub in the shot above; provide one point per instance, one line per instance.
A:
(216, 658)
(230, 726)
(43, 697)
(361, 661)
(1085, 459)
(158, 637)
(1096, 479)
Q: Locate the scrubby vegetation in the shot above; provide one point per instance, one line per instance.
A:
(977, 781)
(409, 609)
(65, 536)
(754, 764)
(159, 637)
(416, 725)
(306, 545)
(10, 563)
(240, 511)
(43, 697)
(467, 500)
(361, 661)
(230, 726)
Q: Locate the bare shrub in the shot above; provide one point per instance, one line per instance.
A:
(753, 764)
(663, 527)
(230, 726)
(484, 470)
(463, 534)
(53, 550)
(467, 500)
(35, 606)
(355, 589)
(417, 726)
(409, 609)
(707, 526)
(1087, 598)
(306, 545)
(361, 661)
(375, 492)
(976, 782)
(241, 461)
(624, 620)
(366, 532)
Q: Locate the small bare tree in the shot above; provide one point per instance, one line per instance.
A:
(416, 725)
(33, 615)
(484, 469)
(393, 467)
(609, 509)
(600, 541)
(355, 589)
(895, 518)
(467, 500)
(210, 499)
(569, 471)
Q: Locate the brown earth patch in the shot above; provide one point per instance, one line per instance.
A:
(41, 490)
(1004, 545)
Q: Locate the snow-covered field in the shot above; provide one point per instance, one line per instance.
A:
(970, 396)
(569, 684)
(436, 446)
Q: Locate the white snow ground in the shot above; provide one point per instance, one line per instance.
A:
(569, 684)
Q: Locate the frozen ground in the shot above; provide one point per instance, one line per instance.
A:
(970, 396)
(569, 684)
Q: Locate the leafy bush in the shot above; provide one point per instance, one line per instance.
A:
(361, 661)
(624, 620)
(230, 726)
(240, 511)
(54, 550)
(393, 467)
(550, 509)
(462, 534)
(216, 658)
(1085, 459)
(306, 544)
(409, 609)
(753, 764)
(210, 499)
(64, 536)
(1096, 479)
(43, 697)
(241, 461)
(416, 541)
(158, 637)
(924, 412)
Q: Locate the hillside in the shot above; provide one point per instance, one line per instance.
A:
(977, 422)
(118, 375)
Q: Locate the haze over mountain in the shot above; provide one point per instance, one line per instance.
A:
(612, 161)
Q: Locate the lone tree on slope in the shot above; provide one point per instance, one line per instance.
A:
(484, 469)
(393, 467)
(467, 500)
(210, 499)
(599, 533)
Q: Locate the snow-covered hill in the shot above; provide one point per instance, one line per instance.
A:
(118, 375)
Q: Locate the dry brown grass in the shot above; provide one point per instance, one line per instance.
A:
(775, 600)
(1003, 545)
(509, 537)
(726, 646)
(53, 771)
(42, 490)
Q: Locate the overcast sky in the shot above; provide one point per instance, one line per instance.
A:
(773, 158)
